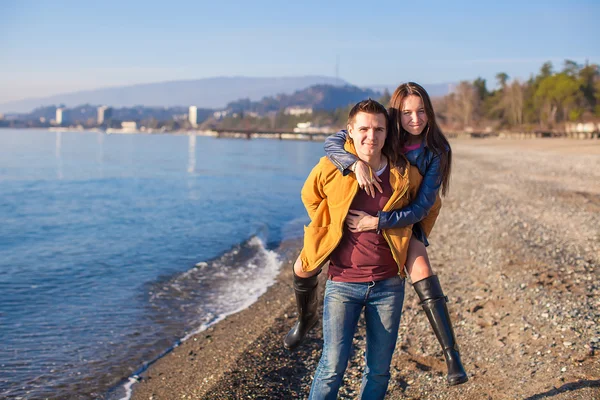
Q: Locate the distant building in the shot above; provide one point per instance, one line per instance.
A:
(303, 125)
(181, 117)
(574, 127)
(306, 127)
(61, 116)
(298, 111)
(104, 114)
(129, 126)
(1, 117)
(193, 116)
(220, 114)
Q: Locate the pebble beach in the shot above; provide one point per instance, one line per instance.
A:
(517, 250)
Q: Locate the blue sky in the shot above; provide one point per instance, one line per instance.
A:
(50, 47)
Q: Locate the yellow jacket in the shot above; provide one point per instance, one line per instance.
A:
(327, 196)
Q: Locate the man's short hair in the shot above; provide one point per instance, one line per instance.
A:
(368, 106)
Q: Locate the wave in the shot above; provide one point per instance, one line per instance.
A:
(210, 292)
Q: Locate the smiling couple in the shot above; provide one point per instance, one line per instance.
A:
(372, 239)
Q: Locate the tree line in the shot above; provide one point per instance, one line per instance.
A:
(546, 101)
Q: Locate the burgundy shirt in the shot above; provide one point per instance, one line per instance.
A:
(365, 256)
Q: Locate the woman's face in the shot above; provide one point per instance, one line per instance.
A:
(412, 115)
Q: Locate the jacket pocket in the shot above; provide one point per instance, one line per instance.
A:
(316, 243)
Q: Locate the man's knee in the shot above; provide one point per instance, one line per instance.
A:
(379, 371)
(333, 364)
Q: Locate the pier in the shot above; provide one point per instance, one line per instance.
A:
(267, 134)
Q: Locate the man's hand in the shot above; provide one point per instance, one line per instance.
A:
(360, 221)
(367, 180)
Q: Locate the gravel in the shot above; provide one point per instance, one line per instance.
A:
(517, 250)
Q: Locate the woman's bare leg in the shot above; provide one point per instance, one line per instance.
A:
(299, 272)
(417, 261)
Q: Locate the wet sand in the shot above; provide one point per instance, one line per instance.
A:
(517, 249)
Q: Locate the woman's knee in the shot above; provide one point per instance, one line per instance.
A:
(299, 271)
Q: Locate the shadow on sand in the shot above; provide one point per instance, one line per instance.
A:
(567, 387)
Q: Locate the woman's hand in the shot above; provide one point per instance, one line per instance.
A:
(366, 179)
(360, 221)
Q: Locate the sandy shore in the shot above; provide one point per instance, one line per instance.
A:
(517, 249)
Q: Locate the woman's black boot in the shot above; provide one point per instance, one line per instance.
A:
(307, 302)
(433, 302)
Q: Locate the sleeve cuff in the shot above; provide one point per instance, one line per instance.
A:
(378, 222)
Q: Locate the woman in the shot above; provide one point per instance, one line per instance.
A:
(424, 145)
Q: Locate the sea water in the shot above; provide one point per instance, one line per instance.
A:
(115, 247)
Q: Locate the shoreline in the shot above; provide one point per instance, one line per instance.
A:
(523, 332)
(315, 136)
(207, 133)
(286, 248)
(220, 347)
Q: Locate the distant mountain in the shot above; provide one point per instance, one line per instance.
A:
(317, 97)
(204, 93)
(433, 89)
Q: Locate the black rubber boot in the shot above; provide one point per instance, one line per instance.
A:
(308, 304)
(433, 302)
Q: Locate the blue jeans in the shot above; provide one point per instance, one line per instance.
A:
(382, 302)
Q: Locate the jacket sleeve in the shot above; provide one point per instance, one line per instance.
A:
(334, 150)
(312, 192)
(420, 206)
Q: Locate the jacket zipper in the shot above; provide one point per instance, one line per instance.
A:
(385, 235)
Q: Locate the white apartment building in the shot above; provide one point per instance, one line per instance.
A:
(61, 116)
(298, 111)
(104, 114)
(193, 116)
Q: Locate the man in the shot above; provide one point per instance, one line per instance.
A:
(366, 268)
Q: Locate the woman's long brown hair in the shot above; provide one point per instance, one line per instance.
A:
(434, 137)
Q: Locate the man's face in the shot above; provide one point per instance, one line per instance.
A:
(368, 132)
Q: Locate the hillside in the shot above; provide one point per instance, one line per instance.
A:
(317, 97)
(204, 93)
(433, 89)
